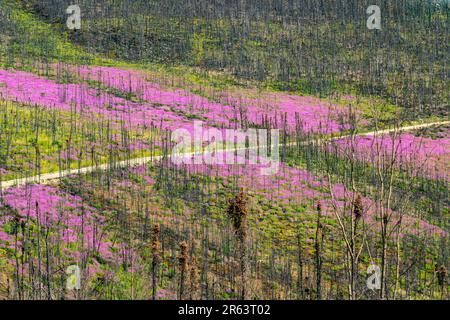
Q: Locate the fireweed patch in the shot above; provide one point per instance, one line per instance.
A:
(230, 146)
(419, 156)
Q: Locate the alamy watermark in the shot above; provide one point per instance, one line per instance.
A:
(74, 277)
(374, 280)
(74, 20)
(374, 20)
(212, 146)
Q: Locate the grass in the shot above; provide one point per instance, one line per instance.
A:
(34, 140)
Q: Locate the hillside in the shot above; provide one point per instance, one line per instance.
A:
(353, 121)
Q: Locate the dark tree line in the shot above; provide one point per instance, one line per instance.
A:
(315, 47)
